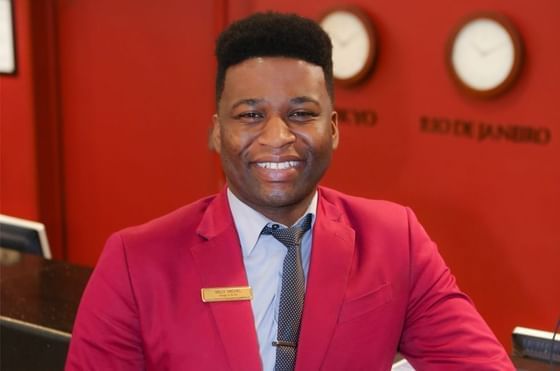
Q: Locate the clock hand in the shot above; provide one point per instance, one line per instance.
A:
(336, 40)
(348, 39)
(484, 52)
(477, 48)
(491, 50)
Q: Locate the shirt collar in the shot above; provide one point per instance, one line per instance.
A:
(249, 222)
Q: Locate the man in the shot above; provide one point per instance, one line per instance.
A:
(347, 285)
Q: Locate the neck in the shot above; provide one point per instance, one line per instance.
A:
(284, 214)
(287, 215)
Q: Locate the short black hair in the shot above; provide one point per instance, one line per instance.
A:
(273, 34)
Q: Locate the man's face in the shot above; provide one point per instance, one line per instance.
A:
(275, 131)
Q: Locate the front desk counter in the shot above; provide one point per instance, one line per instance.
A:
(38, 303)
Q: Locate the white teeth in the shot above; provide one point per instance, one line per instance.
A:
(277, 165)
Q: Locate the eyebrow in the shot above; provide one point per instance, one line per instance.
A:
(304, 99)
(248, 101)
(255, 101)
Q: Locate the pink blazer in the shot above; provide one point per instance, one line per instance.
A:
(376, 284)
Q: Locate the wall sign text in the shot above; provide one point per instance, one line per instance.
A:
(484, 131)
(358, 117)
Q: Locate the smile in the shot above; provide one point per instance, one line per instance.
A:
(278, 165)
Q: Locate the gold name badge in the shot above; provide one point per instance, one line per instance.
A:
(213, 294)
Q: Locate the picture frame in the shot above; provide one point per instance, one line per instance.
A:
(8, 60)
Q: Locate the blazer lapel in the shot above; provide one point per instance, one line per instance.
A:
(331, 258)
(220, 264)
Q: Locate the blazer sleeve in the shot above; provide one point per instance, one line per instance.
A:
(443, 330)
(106, 333)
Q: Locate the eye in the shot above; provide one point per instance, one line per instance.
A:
(249, 116)
(302, 115)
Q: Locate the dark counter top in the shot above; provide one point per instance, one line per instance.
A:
(38, 303)
(39, 291)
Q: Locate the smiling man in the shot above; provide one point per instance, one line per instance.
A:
(276, 272)
(275, 131)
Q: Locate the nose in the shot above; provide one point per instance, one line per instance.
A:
(276, 133)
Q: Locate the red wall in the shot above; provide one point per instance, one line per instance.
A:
(136, 94)
(18, 166)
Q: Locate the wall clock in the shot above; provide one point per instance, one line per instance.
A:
(484, 55)
(354, 43)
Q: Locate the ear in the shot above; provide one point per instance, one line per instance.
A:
(334, 128)
(215, 139)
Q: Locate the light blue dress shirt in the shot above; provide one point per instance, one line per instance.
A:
(263, 257)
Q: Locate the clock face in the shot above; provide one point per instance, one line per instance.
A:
(485, 55)
(353, 43)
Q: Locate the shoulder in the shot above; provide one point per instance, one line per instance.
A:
(157, 248)
(357, 211)
(175, 229)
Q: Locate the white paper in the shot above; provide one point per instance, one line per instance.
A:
(7, 54)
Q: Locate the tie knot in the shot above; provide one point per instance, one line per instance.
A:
(290, 237)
